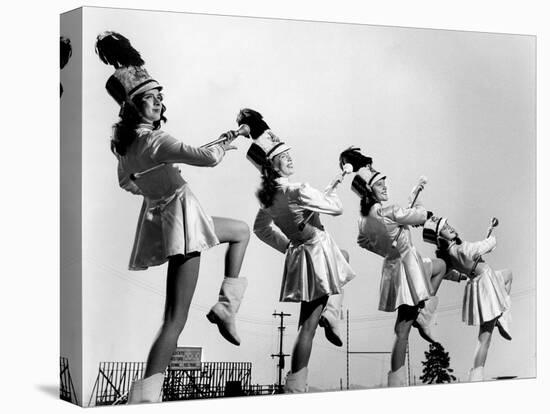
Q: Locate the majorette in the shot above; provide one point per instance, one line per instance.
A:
(172, 227)
(315, 268)
(409, 281)
(486, 300)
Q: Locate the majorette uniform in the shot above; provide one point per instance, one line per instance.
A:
(171, 220)
(314, 265)
(405, 273)
(485, 294)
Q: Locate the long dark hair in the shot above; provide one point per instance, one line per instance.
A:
(367, 201)
(268, 188)
(124, 131)
(442, 251)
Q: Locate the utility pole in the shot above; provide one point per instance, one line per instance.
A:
(408, 365)
(347, 349)
(280, 355)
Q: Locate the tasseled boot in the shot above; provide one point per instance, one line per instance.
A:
(397, 378)
(146, 390)
(476, 374)
(296, 382)
(330, 318)
(223, 312)
(425, 320)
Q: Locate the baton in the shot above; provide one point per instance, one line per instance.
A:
(422, 182)
(243, 130)
(494, 223)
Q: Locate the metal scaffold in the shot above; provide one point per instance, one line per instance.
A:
(66, 387)
(212, 380)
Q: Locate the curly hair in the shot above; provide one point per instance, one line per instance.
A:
(124, 131)
(268, 189)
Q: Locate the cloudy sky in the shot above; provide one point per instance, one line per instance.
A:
(457, 107)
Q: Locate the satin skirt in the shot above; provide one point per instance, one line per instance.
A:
(176, 224)
(405, 281)
(485, 297)
(314, 269)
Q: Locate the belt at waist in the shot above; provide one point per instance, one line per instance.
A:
(159, 204)
(316, 236)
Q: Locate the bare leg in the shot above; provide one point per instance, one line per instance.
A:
(309, 319)
(237, 234)
(483, 342)
(438, 271)
(182, 278)
(406, 315)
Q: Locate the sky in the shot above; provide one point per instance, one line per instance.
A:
(457, 107)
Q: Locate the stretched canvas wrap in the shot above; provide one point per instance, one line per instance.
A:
(258, 206)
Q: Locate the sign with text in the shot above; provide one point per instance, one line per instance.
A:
(186, 358)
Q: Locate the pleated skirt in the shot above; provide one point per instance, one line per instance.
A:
(485, 297)
(176, 224)
(405, 281)
(314, 269)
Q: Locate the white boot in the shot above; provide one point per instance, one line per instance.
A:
(425, 320)
(223, 312)
(147, 390)
(503, 324)
(397, 378)
(476, 374)
(296, 382)
(330, 318)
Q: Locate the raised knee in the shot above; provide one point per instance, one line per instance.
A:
(439, 266)
(242, 231)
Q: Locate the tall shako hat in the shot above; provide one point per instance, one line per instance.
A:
(130, 78)
(353, 156)
(432, 228)
(260, 157)
(365, 179)
(266, 144)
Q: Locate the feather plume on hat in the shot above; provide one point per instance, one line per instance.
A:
(130, 78)
(116, 50)
(353, 156)
(254, 120)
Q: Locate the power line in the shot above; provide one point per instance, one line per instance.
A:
(365, 318)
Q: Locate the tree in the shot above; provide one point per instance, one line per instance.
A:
(436, 366)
